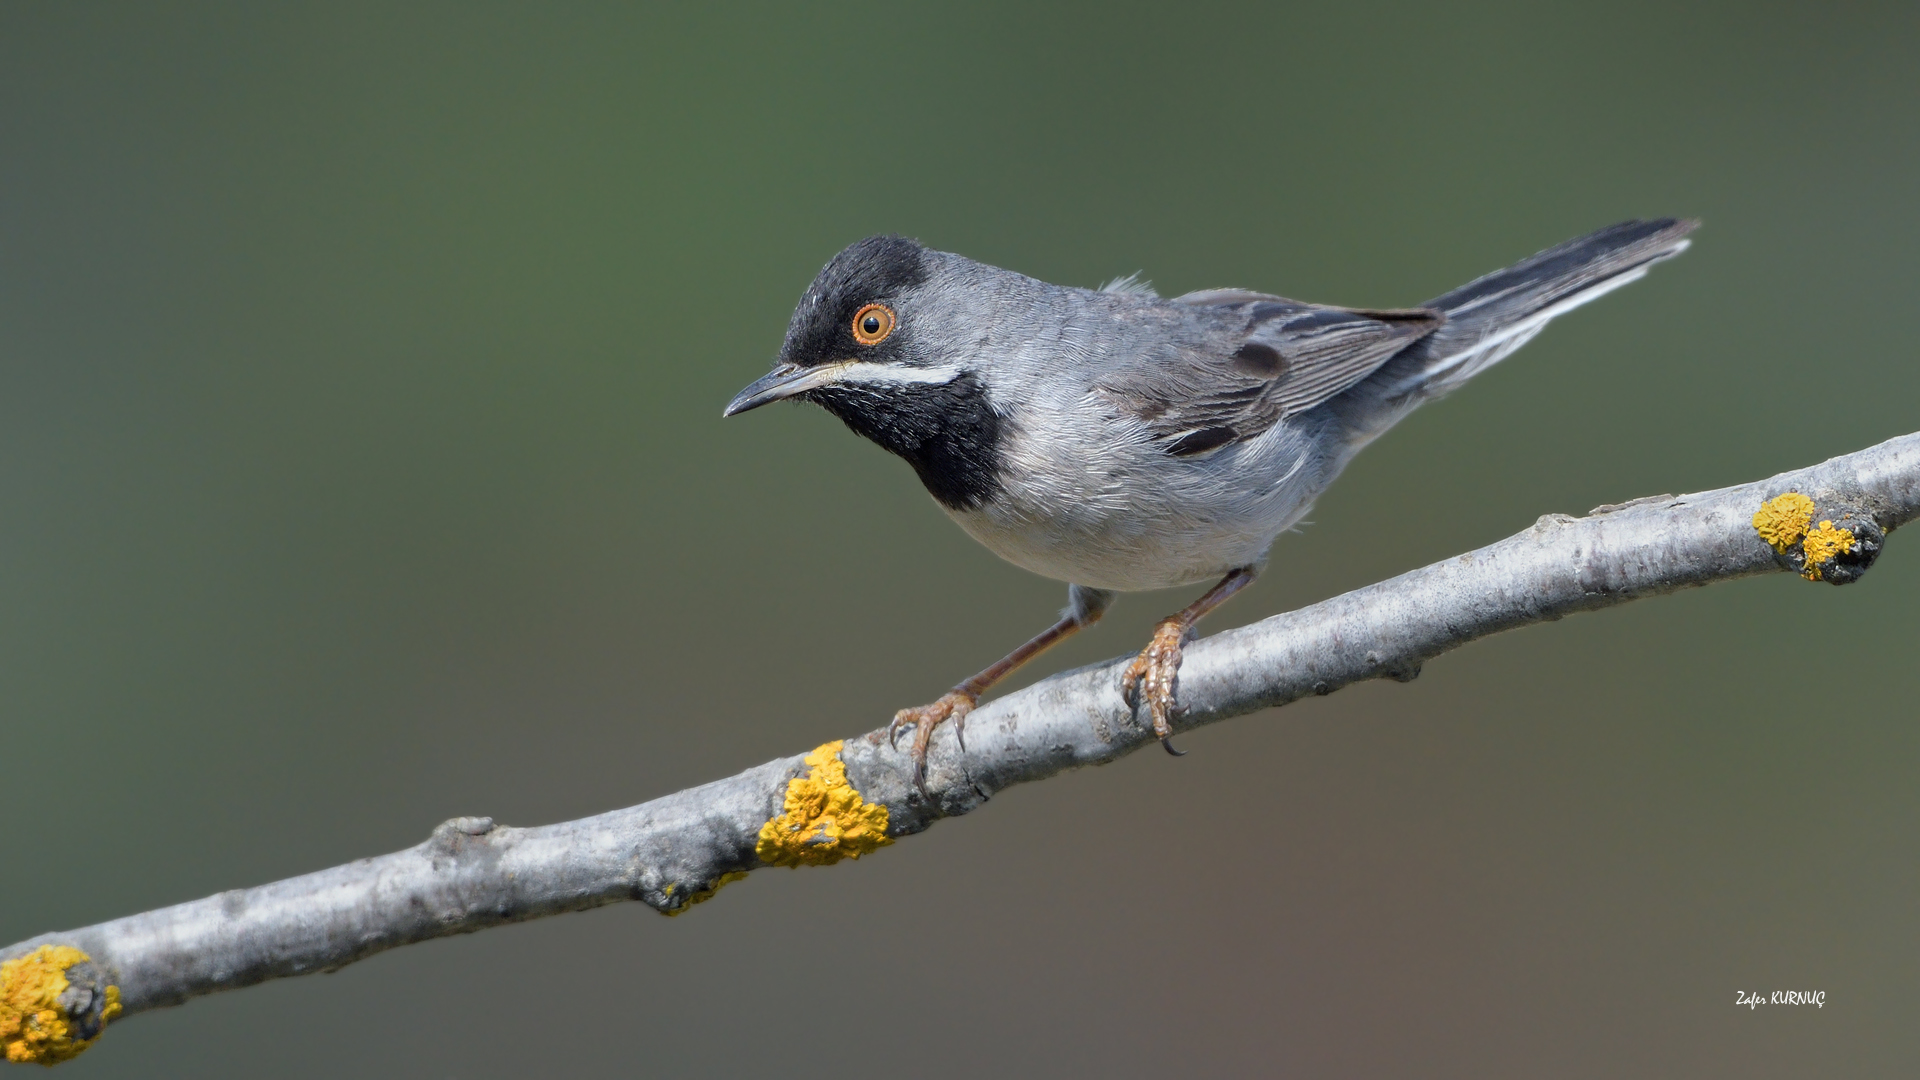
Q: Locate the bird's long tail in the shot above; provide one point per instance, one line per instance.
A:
(1487, 319)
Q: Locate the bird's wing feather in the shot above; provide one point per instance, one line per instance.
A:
(1287, 358)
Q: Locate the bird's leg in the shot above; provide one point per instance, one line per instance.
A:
(1152, 674)
(1084, 608)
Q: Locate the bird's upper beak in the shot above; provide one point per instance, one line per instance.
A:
(784, 381)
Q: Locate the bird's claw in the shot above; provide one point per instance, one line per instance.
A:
(953, 705)
(1152, 676)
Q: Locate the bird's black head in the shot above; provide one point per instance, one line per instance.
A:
(872, 341)
(871, 280)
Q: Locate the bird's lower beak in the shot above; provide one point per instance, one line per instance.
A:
(781, 383)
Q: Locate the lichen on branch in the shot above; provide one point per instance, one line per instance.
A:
(45, 1017)
(824, 819)
(1781, 521)
(1837, 550)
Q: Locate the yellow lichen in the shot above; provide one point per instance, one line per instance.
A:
(1821, 545)
(701, 896)
(33, 1026)
(1782, 521)
(824, 820)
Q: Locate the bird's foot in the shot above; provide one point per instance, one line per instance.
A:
(953, 705)
(1152, 675)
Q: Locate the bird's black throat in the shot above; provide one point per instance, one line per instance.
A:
(948, 432)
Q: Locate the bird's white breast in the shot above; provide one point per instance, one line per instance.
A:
(1086, 499)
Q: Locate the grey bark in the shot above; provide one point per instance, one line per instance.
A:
(473, 874)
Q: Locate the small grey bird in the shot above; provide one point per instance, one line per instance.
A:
(1119, 441)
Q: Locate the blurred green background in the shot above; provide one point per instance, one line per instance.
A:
(362, 465)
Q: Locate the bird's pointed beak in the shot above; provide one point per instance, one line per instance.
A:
(784, 381)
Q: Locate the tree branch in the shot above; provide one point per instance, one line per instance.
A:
(846, 799)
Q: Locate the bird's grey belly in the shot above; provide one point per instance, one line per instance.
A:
(1114, 559)
(1172, 522)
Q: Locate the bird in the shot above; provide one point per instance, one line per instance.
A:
(1120, 441)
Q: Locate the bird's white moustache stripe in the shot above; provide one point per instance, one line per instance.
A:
(867, 372)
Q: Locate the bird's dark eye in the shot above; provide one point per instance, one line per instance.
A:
(872, 324)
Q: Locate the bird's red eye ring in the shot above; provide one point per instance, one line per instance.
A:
(872, 324)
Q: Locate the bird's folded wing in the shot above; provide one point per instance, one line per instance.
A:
(1290, 358)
